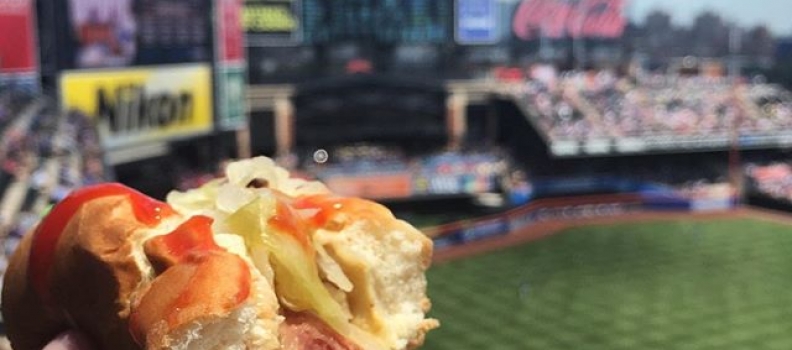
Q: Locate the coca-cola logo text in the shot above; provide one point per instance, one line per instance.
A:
(558, 19)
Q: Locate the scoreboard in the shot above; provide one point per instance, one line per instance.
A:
(466, 22)
(379, 21)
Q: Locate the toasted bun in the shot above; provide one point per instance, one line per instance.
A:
(99, 276)
(91, 282)
(27, 321)
(385, 258)
(304, 269)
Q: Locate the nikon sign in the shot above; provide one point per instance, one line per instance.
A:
(139, 105)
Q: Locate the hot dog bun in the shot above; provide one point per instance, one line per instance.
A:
(255, 260)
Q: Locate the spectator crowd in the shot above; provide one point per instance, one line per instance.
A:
(773, 180)
(44, 154)
(582, 106)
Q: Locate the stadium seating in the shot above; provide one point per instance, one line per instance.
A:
(660, 108)
(44, 154)
(772, 180)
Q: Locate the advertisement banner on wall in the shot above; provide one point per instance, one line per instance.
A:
(380, 186)
(18, 63)
(476, 22)
(272, 22)
(230, 66)
(139, 105)
(232, 105)
(230, 35)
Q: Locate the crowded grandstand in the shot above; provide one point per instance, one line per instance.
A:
(656, 112)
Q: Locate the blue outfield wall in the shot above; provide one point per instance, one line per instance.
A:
(569, 208)
(567, 186)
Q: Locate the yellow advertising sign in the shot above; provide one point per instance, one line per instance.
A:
(268, 17)
(139, 105)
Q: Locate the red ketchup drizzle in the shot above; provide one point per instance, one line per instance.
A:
(148, 211)
(327, 207)
(286, 221)
(192, 236)
(192, 246)
(190, 242)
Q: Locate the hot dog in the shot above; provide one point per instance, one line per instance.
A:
(254, 260)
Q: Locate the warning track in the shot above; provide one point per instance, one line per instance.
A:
(543, 229)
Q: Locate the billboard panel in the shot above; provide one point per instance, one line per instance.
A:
(18, 62)
(231, 99)
(476, 22)
(230, 65)
(230, 40)
(272, 22)
(17, 41)
(379, 186)
(139, 105)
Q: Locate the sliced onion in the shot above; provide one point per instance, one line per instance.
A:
(332, 270)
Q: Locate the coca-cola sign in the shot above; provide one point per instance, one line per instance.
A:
(558, 19)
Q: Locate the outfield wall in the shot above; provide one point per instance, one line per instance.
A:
(569, 208)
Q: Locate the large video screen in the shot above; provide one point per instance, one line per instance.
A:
(416, 21)
(123, 33)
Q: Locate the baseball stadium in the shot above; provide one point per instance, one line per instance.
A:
(593, 174)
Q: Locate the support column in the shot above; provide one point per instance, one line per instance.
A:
(284, 126)
(243, 143)
(456, 119)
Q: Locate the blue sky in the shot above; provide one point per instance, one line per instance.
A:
(776, 14)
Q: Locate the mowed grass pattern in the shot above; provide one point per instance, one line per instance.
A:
(661, 285)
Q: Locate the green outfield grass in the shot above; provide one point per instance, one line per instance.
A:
(663, 285)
